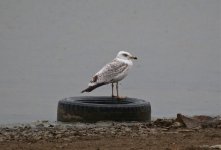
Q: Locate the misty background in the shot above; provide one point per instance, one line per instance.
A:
(49, 49)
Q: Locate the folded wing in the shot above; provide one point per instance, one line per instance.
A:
(107, 74)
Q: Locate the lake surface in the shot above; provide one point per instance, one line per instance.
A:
(50, 49)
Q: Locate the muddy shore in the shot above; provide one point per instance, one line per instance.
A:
(168, 134)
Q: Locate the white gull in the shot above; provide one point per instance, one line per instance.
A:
(112, 72)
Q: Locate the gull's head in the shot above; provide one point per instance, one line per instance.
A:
(125, 55)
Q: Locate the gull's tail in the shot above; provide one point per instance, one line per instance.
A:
(91, 88)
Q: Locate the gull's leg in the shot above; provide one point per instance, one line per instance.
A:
(118, 97)
(117, 90)
(112, 85)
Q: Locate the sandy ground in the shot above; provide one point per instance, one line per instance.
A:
(168, 141)
(167, 135)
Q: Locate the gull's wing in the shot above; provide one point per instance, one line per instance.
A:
(106, 74)
(111, 71)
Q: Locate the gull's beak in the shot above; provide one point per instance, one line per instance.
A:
(133, 57)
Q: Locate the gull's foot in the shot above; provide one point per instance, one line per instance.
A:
(121, 97)
(115, 97)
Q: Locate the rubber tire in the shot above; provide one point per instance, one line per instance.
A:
(93, 109)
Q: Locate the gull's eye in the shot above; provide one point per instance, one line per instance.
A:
(125, 55)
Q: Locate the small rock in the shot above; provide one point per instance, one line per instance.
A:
(199, 121)
(189, 122)
(153, 131)
(163, 122)
(60, 146)
(27, 127)
(164, 129)
(66, 139)
(63, 131)
(113, 132)
(1, 139)
(216, 147)
(7, 129)
(40, 125)
(58, 136)
(185, 131)
(37, 137)
(127, 129)
(177, 124)
(77, 133)
(134, 135)
(50, 125)
(204, 146)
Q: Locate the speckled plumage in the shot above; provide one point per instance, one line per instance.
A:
(112, 72)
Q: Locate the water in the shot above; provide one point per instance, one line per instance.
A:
(50, 49)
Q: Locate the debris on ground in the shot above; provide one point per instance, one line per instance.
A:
(191, 132)
(199, 121)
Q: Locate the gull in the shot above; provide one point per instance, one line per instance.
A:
(112, 72)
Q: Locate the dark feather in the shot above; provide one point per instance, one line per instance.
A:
(95, 78)
(91, 88)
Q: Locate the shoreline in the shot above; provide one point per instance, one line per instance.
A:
(159, 134)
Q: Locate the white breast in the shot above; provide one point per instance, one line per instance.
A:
(123, 74)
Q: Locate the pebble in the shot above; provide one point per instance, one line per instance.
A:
(66, 139)
(216, 147)
(37, 138)
(177, 125)
(185, 131)
(1, 139)
(127, 129)
(58, 136)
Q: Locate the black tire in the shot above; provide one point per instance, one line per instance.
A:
(92, 109)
